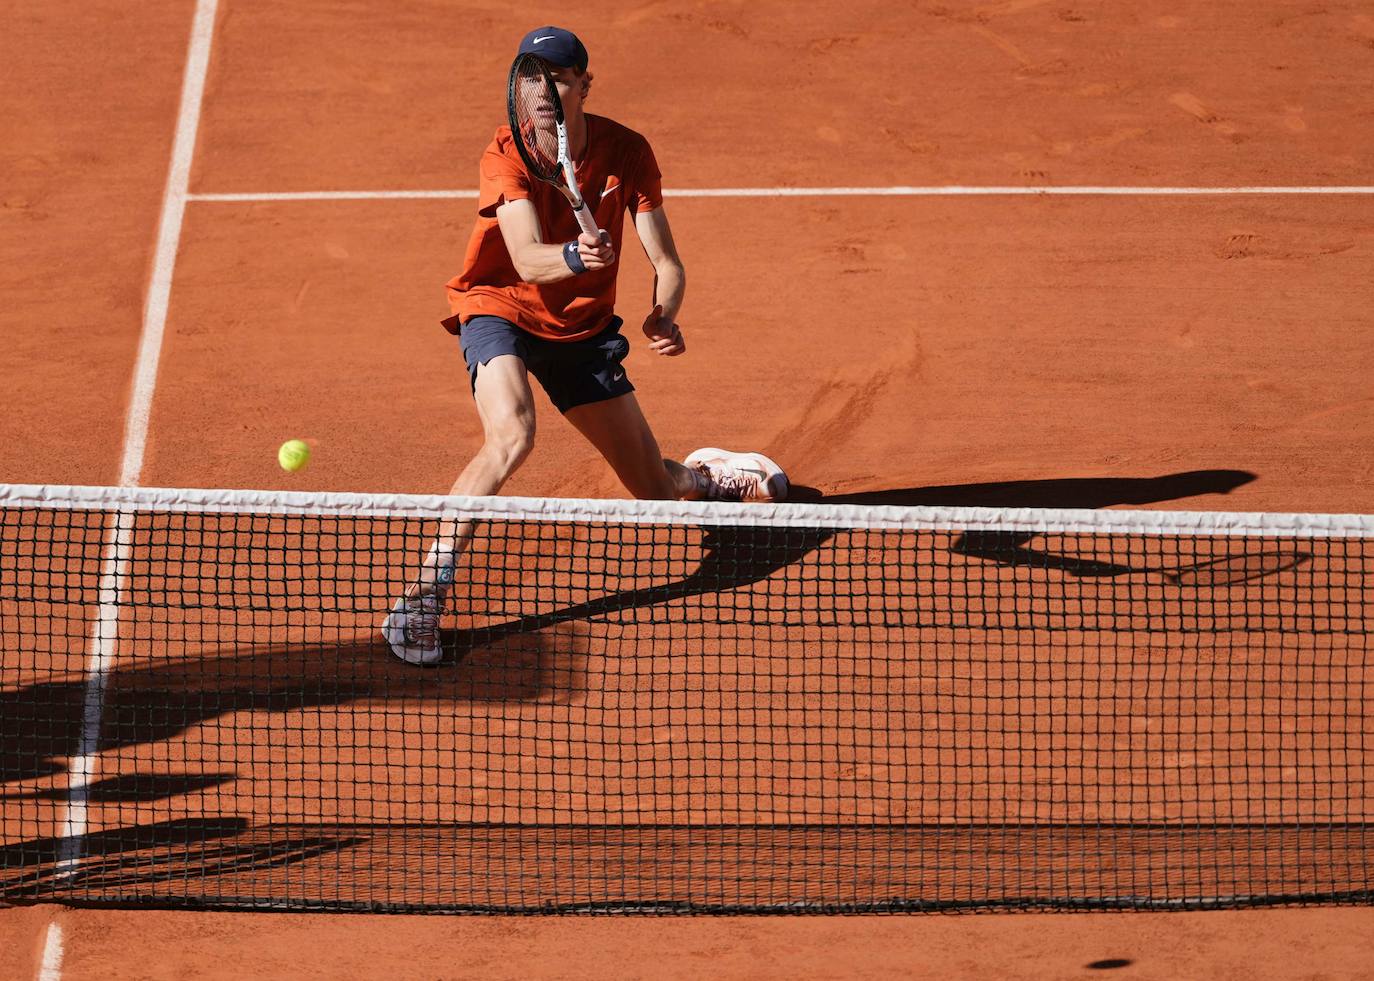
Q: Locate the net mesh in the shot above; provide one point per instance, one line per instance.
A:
(681, 707)
(533, 116)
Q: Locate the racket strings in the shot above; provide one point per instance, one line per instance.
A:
(535, 104)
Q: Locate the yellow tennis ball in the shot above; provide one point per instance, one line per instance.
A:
(293, 455)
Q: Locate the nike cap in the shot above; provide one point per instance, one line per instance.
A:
(556, 46)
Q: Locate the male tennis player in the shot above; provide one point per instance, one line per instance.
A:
(536, 297)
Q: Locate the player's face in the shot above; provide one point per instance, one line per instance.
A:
(572, 87)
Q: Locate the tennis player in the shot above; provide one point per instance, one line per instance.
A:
(536, 296)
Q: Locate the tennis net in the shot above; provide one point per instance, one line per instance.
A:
(681, 707)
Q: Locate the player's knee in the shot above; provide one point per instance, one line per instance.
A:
(514, 450)
(510, 445)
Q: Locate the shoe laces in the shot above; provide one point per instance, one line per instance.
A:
(727, 483)
(422, 620)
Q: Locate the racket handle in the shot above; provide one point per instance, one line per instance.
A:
(585, 219)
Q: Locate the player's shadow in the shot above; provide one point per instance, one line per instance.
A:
(1009, 548)
(737, 556)
(149, 700)
(1059, 492)
(733, 556)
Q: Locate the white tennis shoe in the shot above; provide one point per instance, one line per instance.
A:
(411, 629)
(749, 477)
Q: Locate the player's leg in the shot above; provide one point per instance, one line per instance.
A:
(587, 383)
(495, 355)
(621, 434)
(505, 405)
(619, 431)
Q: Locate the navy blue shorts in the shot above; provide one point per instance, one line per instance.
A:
(573, 373)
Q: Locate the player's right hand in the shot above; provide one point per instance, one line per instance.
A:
(596, 251)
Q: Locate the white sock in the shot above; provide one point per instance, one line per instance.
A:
(439, 568)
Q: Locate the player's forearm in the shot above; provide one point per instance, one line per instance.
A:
(670, 283)
(541, 264)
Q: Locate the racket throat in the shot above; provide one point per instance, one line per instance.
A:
(570, 187)
(575, 197)
(565, 160)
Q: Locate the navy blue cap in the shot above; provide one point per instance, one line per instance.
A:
(556, 46)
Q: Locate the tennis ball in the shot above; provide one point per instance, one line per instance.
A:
(293, 455)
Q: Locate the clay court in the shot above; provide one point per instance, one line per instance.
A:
(1028, 254)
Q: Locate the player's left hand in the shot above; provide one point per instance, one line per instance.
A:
(665, 337)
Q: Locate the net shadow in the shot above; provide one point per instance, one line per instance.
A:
(135, 788)
(683, 868)
(144, 857)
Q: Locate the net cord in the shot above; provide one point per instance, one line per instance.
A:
(583, 510)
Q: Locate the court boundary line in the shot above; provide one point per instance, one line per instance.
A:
(114, 572)
(117, 546)
(54, 950)
(126, 501)
(174, 200)
(1083, 190)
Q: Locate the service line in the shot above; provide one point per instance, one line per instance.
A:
(938, 190)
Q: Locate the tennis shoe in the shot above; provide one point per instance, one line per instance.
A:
(411, 629)
(748, 477)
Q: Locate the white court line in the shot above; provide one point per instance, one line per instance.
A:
(50, 968)
(100, 656)
(103, 646)
(116, 549)
(169, 237)
(810, 192)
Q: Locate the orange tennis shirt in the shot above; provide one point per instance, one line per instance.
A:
(618, 174)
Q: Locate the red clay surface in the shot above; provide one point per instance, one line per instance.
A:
(869, 344)
(322, 96)
(920, 342)
(1328, 944)
(89, 120)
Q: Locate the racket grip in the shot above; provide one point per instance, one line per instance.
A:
(585, 219)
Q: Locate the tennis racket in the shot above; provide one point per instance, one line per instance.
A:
(541, 134)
